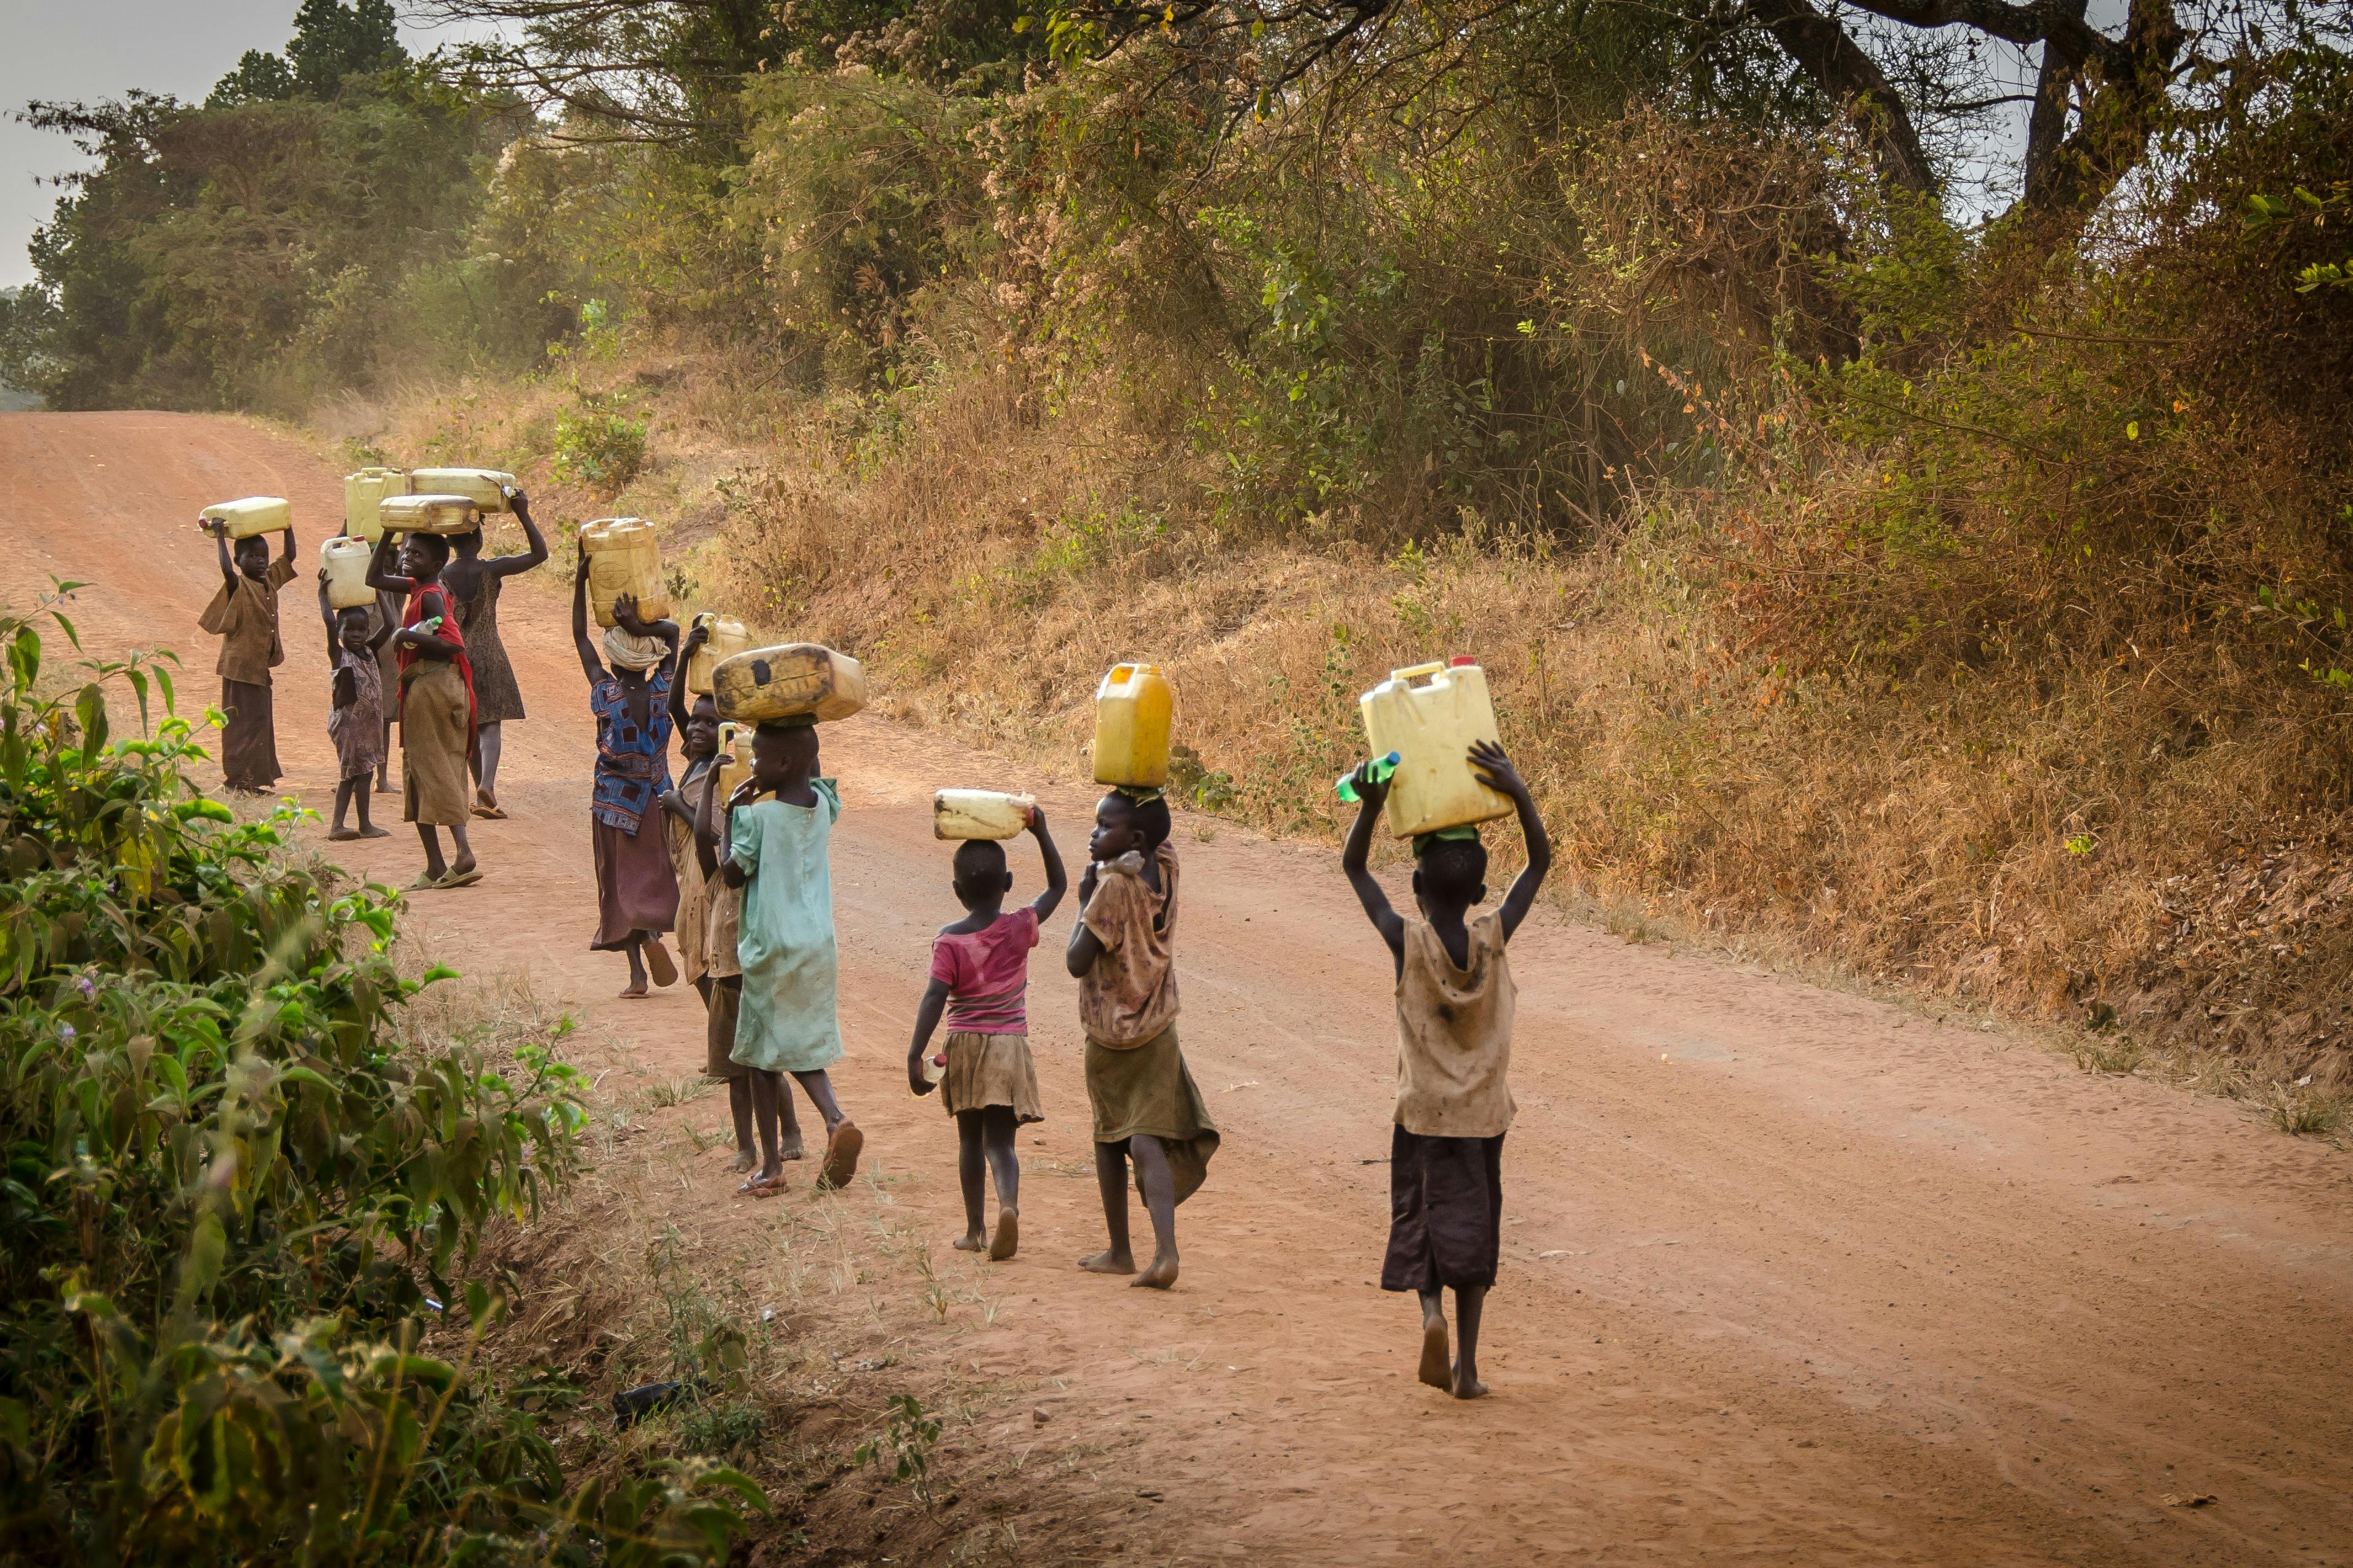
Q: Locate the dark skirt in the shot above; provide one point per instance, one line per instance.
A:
(636, 889)
(1148, 1089)
(249, 737)
(1446, 1211)
(723, 998)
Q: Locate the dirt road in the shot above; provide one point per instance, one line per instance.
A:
(1789, 1275)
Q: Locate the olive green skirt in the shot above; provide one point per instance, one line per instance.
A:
(1148, 1088)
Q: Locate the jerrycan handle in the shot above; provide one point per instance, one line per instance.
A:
(1412, 673)
(1120, 675)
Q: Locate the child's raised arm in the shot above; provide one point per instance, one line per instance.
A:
(534, 541)
(591, 664)
(220, 546)
(1371, 795)
(927, 1018)
(682, 701)
(1058, 881)
(286, 552)
(1497, 774)
(327, 613)
(380, 574)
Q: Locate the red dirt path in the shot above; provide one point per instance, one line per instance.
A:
(1789, 1275)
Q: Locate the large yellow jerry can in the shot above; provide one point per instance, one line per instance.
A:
(254, 514)
(426, 514)
(623, 558)
(786, 682)
(1428, 715)
(728, 638)
(362, 493)
(1134, 709)
(486, 487)
(980, 814)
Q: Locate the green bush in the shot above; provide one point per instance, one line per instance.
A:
(236, 1199)
(599, 446)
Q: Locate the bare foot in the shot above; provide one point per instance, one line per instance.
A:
(792, 1149)
(1467, 1387)
(374, 832)
(1108, 1262)
(744, 1159)
(384, 787)
(971, 1241)
(1008, 1235)
(1161, 1275)
(1437, 1356)
(342, 835)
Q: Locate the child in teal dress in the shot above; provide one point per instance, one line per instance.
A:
(777, 846)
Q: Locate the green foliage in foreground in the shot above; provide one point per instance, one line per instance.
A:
(236, 1199)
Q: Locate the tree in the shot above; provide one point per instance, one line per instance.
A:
(260, 77)
(331, 42)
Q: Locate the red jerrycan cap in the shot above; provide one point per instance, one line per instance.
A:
(1460, 661)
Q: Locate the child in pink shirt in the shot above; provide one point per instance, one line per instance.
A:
(980, 982)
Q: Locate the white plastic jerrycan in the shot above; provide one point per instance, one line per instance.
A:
(1428, 715)
(254, 514)
(426, 513)
(345, 560)
(980, 814)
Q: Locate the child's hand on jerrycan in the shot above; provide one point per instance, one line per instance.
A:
(1493, 768)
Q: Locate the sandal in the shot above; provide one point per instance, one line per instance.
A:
(840, 1157)
(489, 814)
(658, 964)
(465, 878)
(426, 882)
(753, 1187)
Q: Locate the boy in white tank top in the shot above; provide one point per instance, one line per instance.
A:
(1454, 1005)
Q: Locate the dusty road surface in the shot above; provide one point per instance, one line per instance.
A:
(1789, 1276)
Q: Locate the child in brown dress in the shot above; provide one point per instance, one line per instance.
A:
(473, 583)
(436, 703)
(1147, 1107)
(1454, 1002)
(355, 722)
(244, 615)
(980, 980)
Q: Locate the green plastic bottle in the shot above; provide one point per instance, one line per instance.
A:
(1382, 767)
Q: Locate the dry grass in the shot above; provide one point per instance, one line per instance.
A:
(2046, 834)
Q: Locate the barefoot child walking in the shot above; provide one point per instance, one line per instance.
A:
(636, 889)
(356, 638)
(696, 720)
(1454, 1003)
(1147, 1107)
(436, 705)
(244, 615)
(980, 981)
(474, 584)
(779, 830)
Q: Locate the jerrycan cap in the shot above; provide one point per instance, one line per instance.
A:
(1462, 661)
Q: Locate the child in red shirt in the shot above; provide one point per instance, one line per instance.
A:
(980, 981)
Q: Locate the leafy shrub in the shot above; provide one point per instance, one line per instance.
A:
(234, 1199)
(597, 445)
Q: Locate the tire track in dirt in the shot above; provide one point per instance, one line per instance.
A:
(1789, 1274)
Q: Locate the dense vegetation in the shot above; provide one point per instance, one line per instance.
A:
(1892, 461)
(237, 1198)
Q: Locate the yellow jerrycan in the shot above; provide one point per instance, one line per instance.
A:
(786, 682)
(1428, 715)
(362, 493)
(734, 765)
(426, 514)
(980, 814)
(1134, 709)
(254, 514)
(486, 487)
(727, 640)
(623, 558)
(345, 560)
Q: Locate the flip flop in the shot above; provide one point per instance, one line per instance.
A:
(489, 814)
(753, 1187)
(840, 1157)
(426, 882)
(465, 878)
(659, 964)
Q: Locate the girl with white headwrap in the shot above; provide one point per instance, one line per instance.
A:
(629, 674)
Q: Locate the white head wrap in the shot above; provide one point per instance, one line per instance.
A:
(626, 651)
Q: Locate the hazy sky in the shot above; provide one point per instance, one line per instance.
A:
(100, 49)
